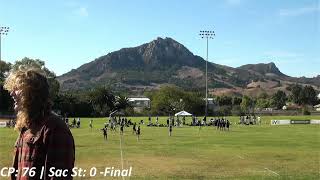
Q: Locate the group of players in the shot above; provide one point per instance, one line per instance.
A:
(112, 123)
(250, 120)
(122, 122)
(11, 123)
(221, 124)
(74, 124)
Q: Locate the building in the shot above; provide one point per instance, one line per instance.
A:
(140, 103)
(211, 103)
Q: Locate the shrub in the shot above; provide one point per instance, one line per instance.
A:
(305, 111)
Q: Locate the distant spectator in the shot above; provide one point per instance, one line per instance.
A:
(105, 133)
(138, 133)
(170, 130)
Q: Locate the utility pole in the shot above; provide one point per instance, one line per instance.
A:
(207, 35)
(3, 32)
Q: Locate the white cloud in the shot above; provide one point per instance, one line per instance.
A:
(298, 11)
(81, 11)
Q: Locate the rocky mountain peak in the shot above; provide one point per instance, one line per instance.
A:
(166, 61)
(165, 51)
(262, 68)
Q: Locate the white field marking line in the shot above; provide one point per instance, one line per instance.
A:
(128, 166)
(272, 172)
(240, 157)
(121, 135)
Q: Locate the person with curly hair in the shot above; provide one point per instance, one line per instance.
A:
(45, 141)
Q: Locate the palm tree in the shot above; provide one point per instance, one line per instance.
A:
(122, 103)
(102, 100)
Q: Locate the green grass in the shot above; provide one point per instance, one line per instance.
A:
(245, 152)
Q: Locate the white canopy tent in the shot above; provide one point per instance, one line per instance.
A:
(317, 106)
(183, 113)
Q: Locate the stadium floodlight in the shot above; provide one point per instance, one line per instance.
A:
(207, 35)
(3, 32)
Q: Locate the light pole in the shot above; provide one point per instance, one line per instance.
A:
(207, 35)
(3, 31)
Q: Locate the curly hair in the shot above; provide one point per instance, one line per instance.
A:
(34, 104)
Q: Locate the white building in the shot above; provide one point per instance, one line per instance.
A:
(210, 103)
(140, 103)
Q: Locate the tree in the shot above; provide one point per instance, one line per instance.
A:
(279, 99)
(6, 102)
(65, 104)
(236, 101)
(308, 96)
(303, 95)
(5, 99)
(40, 65)
(246, 104)
(170, 99)
(73, 104)
(4, 69)
(262, 103)
(296, 91)
(194, 103)
(224, 100)
(263, 100)
(122, 103)
(166, 100)
(102, 100)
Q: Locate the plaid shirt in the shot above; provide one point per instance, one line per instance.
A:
(51, 146)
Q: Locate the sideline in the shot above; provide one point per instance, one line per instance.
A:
(272, 172)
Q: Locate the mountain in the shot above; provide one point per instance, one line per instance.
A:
(269, 69)
(165, 61)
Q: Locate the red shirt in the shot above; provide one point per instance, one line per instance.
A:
(51, 146)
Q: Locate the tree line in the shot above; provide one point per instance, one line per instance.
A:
(103, 100)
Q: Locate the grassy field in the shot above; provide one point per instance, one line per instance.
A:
(245, 152)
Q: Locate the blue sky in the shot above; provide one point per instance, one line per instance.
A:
(68, 33)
